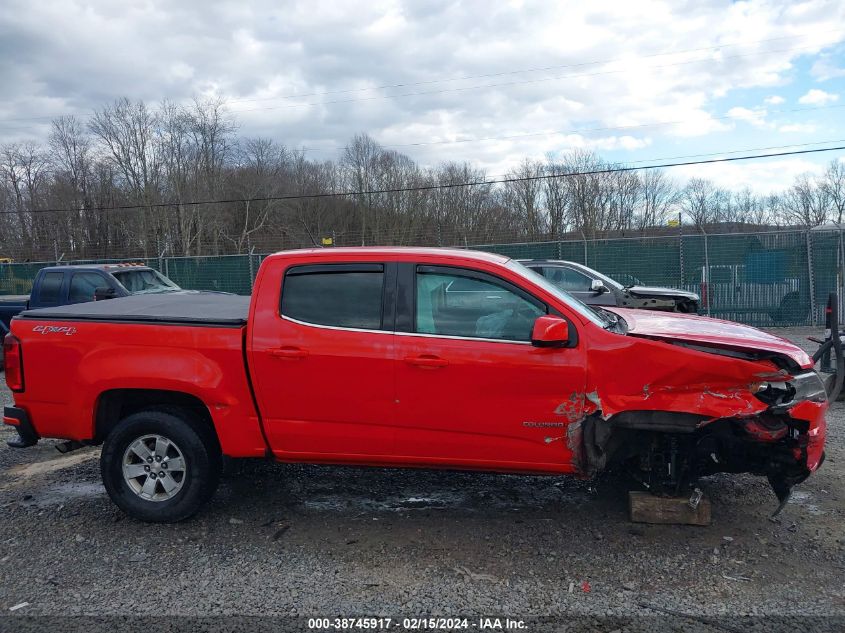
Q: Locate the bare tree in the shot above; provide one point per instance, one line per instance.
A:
(128, 132)
(557, 200)
(699, 201)
(23, 171)
(360, 164)
(524, 196)
(659, 196)
(462, 215)
(806, 203)
(175, 163)
(833, 183)
(588, 191)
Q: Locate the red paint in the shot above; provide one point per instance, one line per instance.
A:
(329, 395)
(550, 331)
(698, 329)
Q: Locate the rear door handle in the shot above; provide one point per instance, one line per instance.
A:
(288, 352)
(426, 360)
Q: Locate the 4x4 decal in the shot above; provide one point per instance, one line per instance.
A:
(55, 329)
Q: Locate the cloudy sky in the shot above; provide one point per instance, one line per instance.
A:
(488, 82)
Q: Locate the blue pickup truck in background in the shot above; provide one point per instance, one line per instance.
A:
(62, 285)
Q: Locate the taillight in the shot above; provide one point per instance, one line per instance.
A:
(13, 362)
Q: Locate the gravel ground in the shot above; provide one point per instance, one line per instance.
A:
(342, 541)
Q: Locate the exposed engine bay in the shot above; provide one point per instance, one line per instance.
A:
(750, 412)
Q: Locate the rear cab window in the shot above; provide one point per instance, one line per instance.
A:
(50, 287)
(336, 295)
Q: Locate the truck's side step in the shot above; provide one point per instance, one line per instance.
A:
(68, 446)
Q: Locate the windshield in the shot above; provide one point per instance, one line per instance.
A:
(144, 281)
(599, 317)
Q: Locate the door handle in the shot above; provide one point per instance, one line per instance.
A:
(288, 352)
(426, 360)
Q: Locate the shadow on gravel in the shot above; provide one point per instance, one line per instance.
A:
(251, 484)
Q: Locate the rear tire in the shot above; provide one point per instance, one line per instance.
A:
(792, 310)
(135, 458)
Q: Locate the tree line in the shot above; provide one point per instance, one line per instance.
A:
(140, 156)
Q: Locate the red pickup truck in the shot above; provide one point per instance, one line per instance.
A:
(413, 357)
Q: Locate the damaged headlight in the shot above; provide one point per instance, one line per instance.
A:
(807, 386)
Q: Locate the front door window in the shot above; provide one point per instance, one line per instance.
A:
(455, 305)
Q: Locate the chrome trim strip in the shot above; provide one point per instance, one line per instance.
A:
(334, 327)
(355, 329)
(463, 338)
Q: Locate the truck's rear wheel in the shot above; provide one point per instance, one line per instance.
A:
(160, 465)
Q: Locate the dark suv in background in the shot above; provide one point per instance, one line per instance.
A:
(594, 288)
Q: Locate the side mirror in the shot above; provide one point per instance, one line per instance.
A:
(598, 286)
(103, 293)
(550, 331)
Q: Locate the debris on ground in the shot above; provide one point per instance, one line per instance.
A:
(471, 575)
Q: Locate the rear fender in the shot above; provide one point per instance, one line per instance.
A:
(221, 388)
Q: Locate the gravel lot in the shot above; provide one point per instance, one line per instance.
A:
(341, 541)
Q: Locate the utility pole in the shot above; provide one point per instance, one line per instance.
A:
(681, 248)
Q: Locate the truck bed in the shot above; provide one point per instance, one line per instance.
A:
(14, 299)
(178, 308)
(185, 344)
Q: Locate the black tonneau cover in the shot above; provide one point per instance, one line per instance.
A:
(186, 307)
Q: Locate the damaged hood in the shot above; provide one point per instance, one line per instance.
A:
(655, 291)
(688, 328)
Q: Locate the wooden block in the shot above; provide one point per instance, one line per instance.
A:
(648, 508)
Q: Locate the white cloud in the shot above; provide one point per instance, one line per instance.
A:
(763, 177)
(754, 117)
(824, 69)
(804, 128)
(337, 54)
(817, 97)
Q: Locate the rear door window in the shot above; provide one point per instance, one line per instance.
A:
(344, 295)
(49, 291)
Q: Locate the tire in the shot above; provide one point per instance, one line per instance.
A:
(792, 310)
(164, 436)
(687, 307)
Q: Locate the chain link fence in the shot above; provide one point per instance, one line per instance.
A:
(777, 278)
(766, 279)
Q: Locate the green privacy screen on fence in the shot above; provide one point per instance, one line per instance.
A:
(764, 279)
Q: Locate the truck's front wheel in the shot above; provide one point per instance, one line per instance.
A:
(160, 465)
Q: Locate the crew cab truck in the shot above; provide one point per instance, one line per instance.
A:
(60, 285)
(406, 357)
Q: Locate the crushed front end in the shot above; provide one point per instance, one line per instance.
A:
(785, 443)
(689, 410)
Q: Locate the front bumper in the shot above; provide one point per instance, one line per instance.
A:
(19, 419)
